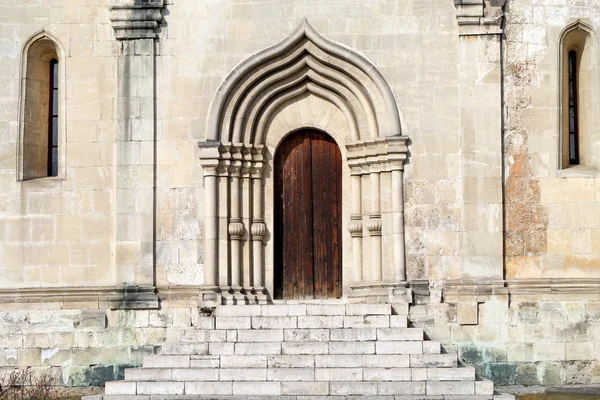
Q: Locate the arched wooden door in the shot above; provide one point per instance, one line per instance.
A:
(308, 217)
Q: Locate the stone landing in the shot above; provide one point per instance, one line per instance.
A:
(301, 351)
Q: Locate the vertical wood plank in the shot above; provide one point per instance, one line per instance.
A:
(308, 217)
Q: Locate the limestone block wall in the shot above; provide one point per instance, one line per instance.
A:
(552, 214)
(55, 231)
(531, 341)
(413, 44)
(82, 347)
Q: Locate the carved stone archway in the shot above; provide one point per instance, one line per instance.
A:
(305, 81)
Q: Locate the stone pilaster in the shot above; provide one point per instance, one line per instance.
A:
(135, 23)
(480, 24)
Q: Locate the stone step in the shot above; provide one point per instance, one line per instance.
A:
(302, 322)
(304, 360)
(300, 397)
(202, 336)
(298, 388)
(263, 369)
(282, 310)
(298, 347)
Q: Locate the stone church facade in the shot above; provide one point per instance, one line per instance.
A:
(161, 159)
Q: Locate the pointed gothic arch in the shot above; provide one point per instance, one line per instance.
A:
(305, 81)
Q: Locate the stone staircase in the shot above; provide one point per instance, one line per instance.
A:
(301, 351)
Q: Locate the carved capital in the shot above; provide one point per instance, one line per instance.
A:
(236, 229)
(258, 230)
(355, 227)
(136, 19)
(374, 224)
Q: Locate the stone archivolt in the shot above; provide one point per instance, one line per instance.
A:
(241, 133)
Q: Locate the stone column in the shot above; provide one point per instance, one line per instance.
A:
(480, 39)
(374, 225)
(355, 227)
(135, 23)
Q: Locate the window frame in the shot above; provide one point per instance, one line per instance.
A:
(60, 56)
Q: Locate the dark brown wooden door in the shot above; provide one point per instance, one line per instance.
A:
(308, 211)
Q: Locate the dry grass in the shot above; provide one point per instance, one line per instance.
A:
(27, 385)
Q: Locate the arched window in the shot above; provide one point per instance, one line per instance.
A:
(579, 140)
(41, 152)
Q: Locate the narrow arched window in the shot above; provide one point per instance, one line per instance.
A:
(578, 137)
(53, 120)
(573, 111)
(42, 113)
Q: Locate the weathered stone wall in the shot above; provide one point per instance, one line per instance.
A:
(527, 342)
(83, 347)
(552, 215)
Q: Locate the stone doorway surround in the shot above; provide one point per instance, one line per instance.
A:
(304, 81)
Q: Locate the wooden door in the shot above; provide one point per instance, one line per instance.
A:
(308, 211)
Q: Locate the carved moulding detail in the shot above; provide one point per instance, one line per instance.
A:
(135, 19)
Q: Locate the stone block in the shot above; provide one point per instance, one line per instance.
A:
(352, 348)
(432, 347)
(549, 351)
(326, 309)
(244, 361)
(401, 388)
(419, 374)
(387, 374)
(183, 348)
(579, 351)
(258, 348)
(353, 335)
(386, 361)
(160, 388)
(451, 374)
(195, 374)
(217, 349)
(237, 311)
(304, 348)
(338, 374)
(274, 322)
(368, 309)
(148, 374)
(319, 321)
(283, 310)
(338, 361)
(257, 388)
(209, 388)
(233, 322)
(467, 313)
(305, 388)
(485, 387)
(433, 360)
(262, 335)
(204, 361)
(306, 335)
(291, 361)
(242, 374)
(399, 347)
(159, 361)
(120, 387)
(353, 388)
(398, 321)
(392, 334)
(92, 319)
(205, 323)
(367, 321)
(291, 374)
(451, 388)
